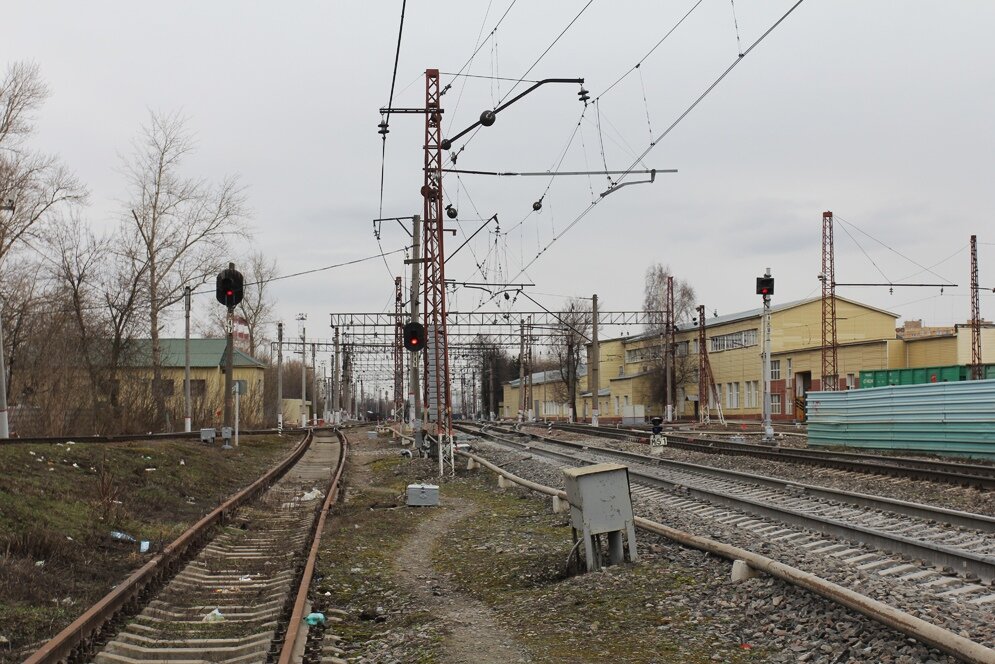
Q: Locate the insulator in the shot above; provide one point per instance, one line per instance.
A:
(446, 144)
(429, 192)
(583, 94)
(435, 117)
(487, 118)
(507, 297)
(537, 205)
(451, 212)
(383, 129)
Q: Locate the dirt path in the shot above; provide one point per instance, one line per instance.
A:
(475, 636)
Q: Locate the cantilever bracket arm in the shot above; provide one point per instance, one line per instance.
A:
(615, 187)
(512, 101)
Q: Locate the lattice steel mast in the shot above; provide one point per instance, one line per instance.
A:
(438, 398)
(830, 346)
(975, 313)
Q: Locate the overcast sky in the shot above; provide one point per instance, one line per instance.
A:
(881, 112)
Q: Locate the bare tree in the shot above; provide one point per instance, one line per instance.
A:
(572, 334)
(180, 225)
(76, 256)
(33, 186)
(655, 301)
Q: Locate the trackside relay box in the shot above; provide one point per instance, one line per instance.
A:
(423, 494)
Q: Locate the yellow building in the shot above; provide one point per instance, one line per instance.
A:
(867, 340)
(207, 379)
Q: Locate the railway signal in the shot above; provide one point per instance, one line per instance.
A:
(230, 287)
(414, 336)
(765, 285)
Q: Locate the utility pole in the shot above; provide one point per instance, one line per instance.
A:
(398, 351)
(521, 371)
(670, 321)
(830, 346)
(187, 407)
(314, 392)
(593, 366)
(492, 390)
(279, 378)
(768, 428)
(229, 356)
(301, 318)
(336, 388)
(4, 423)
(975, 313)
(414, 387)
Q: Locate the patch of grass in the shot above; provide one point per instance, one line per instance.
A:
(512, 555)
(58, 507)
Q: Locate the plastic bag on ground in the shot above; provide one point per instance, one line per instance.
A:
(313, 494)
(213, 616)
(315, 619)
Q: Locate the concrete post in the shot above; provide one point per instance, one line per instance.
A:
(187, 407)
(279, 378)
(593, 372)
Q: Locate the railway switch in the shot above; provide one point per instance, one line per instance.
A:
(600, 504)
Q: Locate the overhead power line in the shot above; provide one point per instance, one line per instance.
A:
(664, 134)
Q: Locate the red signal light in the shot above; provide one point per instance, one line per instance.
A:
(229, 293)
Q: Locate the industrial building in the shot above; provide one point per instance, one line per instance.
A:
(868, 339)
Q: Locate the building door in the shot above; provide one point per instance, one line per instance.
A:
(803, 383)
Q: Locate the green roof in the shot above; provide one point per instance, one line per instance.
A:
(203, 353)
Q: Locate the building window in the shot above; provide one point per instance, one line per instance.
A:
(241, 385)
(735, 395)
(790, 374)
(621, 370)
(617, 410)
(740, 339)
(775, 369)
(166, 387)
(198, 388)
(775, 404)
(851, 381)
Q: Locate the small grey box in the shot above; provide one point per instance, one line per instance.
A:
(599, 497)
(207, 435)
(226, 433)
(423, 494)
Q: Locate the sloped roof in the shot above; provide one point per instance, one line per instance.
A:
(754, 313)
(204, 353)
(553, 376)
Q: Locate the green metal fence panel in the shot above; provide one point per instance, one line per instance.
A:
(956, 417)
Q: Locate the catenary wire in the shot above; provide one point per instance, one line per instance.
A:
(667, 131)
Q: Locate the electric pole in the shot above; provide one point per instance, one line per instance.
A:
(279, 378)
(314, 392)
(4, 423)
(187, 408)
(301, 318)
(765, 287)
(592, 370)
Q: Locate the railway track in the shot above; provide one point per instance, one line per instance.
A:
(865, 530)
(961, 474)
(231, 589)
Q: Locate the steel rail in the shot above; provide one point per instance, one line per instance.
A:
(295, 627)
(944, 639)
(966, 562)
(75, 639)
(936, 471)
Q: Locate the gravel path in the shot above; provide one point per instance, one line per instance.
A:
(474, 636)
(807, 627)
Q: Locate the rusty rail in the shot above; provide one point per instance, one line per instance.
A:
(79, 634)
(294, 627)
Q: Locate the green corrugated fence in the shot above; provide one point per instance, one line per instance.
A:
(956, 417)
(945, 374)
